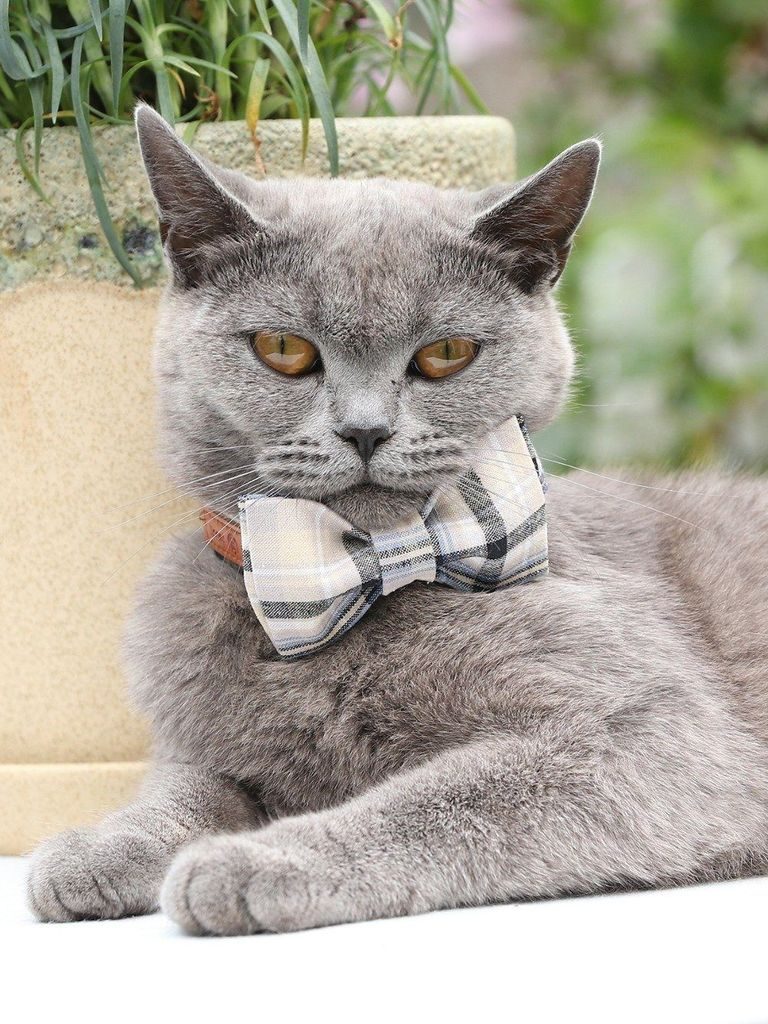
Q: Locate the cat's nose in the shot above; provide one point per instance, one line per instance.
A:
(367, 439)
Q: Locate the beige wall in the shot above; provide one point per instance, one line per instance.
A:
(77, 435)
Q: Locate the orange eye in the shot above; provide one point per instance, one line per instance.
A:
(286, 353)
(442, 358)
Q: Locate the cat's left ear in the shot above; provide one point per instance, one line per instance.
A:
(202, 219)
(534, 222)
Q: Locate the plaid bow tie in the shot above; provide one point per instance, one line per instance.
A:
(311, 575)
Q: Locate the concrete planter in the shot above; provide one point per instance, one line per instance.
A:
(77, 430)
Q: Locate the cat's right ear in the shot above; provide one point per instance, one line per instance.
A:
(533, 223)
(198, 216)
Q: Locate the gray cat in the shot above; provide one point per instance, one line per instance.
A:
(604, 728)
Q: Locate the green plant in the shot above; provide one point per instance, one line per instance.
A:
(86, 62)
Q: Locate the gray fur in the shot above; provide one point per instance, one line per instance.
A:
(606, 728)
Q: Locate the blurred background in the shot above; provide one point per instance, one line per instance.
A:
(667, 289)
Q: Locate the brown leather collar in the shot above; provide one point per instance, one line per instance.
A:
(223, 535)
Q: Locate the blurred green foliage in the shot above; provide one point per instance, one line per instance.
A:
(667, 290)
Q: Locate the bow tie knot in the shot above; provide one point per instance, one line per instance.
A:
(310, 575)
(405, 554)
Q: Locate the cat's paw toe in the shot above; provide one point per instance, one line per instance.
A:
(204, 889)
(85, 875)
(233, 885)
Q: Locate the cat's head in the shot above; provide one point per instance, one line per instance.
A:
(370, 294)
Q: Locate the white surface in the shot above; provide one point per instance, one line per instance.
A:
(686, 956)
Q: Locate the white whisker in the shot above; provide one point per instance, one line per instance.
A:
(613, 479)
(629, 483)
(181, 520)
(182, 484)
(175, 497)
(630, 501)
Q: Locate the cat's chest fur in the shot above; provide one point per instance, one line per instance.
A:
(426, 669)
(308, 732)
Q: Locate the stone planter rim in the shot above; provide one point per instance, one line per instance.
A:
(64, 238)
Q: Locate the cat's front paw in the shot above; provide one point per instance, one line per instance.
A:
(85, 874)
(240, 884)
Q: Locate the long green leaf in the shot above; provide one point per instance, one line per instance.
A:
(116, 47)
(469, 90)
(82, 14)
(255, 94)
(384, 18)
(96, 15)
(431, 12)
(430, 72)
(190, 131)
(296, 85)
(57, 69)
(379, 93)
(6, 89)
(318, 86)
(92, 168)
(12, 58)
(218, 26)
(152, 48)
(72, 32)
(36, 94)
(298, 92)
(302, 25)
(189, 64)
(21, 158)
(176, 62)
(263, 13)
(272, 103)
(136, 67)
(35, 85)
(192, 115)
(247, 54)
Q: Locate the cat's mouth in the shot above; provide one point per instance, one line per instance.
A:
(369, 506)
